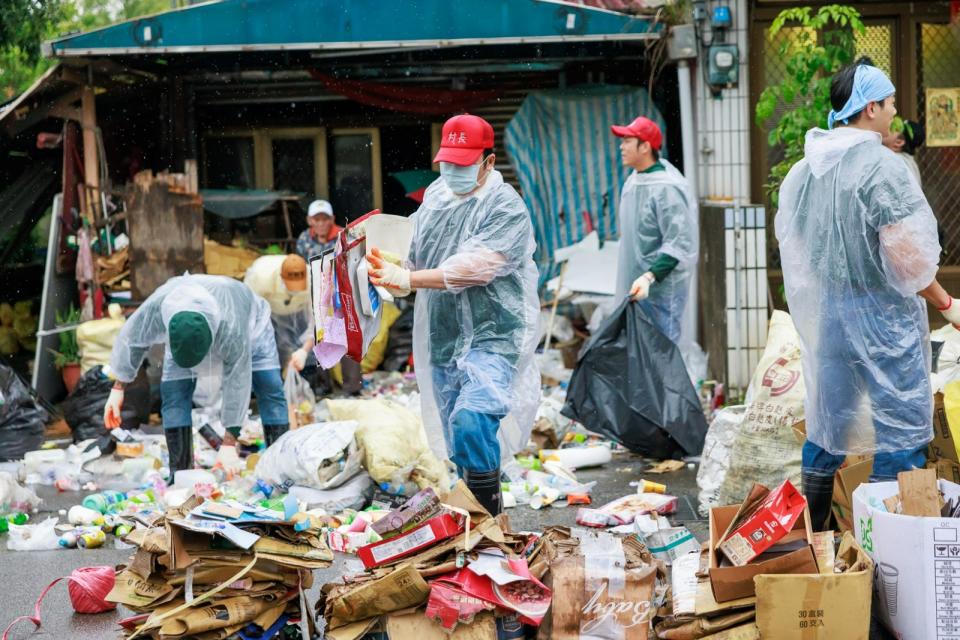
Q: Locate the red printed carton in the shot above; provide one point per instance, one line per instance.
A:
(759, 526)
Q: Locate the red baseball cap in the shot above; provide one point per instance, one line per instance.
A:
(643, 128)
(464, 139)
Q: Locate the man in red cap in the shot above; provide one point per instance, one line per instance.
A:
(659, 241)
(476, 310)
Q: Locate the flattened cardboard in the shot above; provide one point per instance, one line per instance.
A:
(732, 583)
(818, 607)
(946, 469)
(845, 482)
(918, 493)
(415, 626)
(397, 590)
(748, 631)
(943, 444)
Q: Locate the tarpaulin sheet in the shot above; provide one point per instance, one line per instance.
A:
(568, 162)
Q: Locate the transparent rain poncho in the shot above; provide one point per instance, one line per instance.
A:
(290, 311)
(243, 339)
(658, 215)
(857, 242)
(484, 245)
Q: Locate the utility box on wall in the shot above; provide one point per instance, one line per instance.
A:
(733, 290)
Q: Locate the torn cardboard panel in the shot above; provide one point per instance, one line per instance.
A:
(400, 589)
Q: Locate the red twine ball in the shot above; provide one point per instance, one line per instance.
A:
(88, 587)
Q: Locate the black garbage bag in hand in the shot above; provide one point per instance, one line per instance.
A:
(631, 385)
(83, 409)
(22, 419)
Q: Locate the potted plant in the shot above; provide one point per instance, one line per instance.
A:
(67, 357)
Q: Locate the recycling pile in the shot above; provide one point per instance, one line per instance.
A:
(214, 569)
(443, 563)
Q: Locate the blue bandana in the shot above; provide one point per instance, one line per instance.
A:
(869, 85)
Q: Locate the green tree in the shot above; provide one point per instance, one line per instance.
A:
(25, 24)
(821, 43)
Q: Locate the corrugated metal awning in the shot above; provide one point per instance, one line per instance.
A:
(284, 25)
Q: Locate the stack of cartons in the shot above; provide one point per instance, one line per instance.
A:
(212, 577)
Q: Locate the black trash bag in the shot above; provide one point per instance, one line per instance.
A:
(631, 385)
(22, 418)
(83, 409)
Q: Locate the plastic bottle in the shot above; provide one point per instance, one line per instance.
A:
(81, 515)
(579, 457)
(12, 518)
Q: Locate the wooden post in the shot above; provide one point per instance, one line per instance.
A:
(91, 166)
(286, 221)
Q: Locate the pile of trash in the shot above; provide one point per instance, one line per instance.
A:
(443, 563)
(211, 569)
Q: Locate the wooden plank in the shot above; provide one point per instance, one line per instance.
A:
(165, 225)
(918, 493)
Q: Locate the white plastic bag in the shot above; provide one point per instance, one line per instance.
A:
(348, 496)
(34, 537)
(322, 456)
(13, 497)
(717, 451)
(300, 398)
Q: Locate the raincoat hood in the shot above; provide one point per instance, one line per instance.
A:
(824, 148)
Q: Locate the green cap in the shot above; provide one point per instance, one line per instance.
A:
(190, 338)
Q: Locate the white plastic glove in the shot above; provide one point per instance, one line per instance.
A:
(393, 278)
(951, 312)
(111, 411)
(641, 286)
(299, 359)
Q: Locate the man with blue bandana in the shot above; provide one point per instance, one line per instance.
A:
(859, 248)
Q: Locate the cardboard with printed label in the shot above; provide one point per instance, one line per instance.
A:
(732, 582)
(917, 560)
(759, 525)
(583, 607)
(943, 445)
(426, 535)
(818, 606)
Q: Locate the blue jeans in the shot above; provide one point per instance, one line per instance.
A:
(886, 466)
(177, 400)
(472, 396)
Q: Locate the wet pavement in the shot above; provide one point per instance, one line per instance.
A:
(24, 574)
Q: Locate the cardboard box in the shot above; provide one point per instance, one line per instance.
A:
(730, 583)
(946, 469)
(918, 563)
(944, 445)
(426, 535)
(760, 524)
(845, 482)
(821, 606)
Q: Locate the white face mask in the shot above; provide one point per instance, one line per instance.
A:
(460, 179)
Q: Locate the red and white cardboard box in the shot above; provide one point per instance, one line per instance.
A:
(426, 535)
(762, 525)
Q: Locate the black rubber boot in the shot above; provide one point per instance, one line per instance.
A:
(485, 486)
(179, 448)
(272, 432)
(818, 489)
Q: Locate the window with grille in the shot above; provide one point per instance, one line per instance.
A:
(939, 46)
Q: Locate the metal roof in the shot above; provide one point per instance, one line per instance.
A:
(338, 25)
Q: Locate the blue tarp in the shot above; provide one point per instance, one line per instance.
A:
(275, 25)
(568, 162)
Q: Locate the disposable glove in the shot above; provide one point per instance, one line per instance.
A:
(951, 312)
(299, 359)
(393, 278)
(641, 286)
(111, 412)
